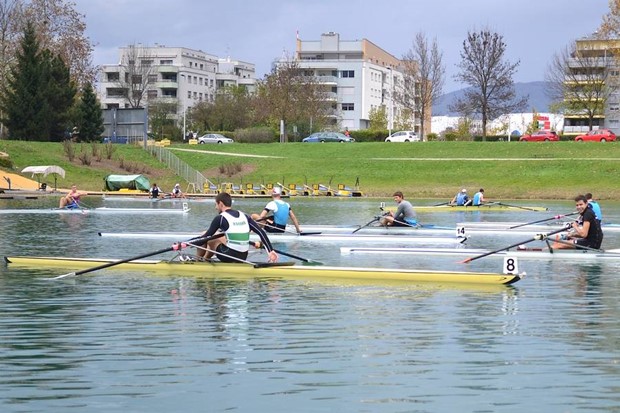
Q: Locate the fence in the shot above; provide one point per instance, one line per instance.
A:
(197, 181)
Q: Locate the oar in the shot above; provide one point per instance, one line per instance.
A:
(516, 206)
(259, 245)
(544, 220)
(368, 223)
(442, 204)
(537, 237)
(174, 247)
(292, 232)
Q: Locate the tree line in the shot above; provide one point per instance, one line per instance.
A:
(48, 93)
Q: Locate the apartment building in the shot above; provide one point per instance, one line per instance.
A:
(594, 63)
(362, 77)
(170, 74)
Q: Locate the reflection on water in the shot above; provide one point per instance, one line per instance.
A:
(136, 342)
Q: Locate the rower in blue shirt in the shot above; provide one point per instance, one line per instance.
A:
(596, 208)
(461, 199)
(478, 198)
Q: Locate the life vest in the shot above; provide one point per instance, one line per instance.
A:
(238, 232)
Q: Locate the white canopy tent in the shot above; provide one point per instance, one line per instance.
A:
(43, 171)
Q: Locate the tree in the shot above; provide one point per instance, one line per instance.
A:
(579, 80)
(38, 93)
(377, 117)
(424, 71)
(610, 27)
(90, 123)
(162, 116)
(134, 78)
(290, 95)
(489, 76)
(231, 110)
(22, 104)
(58, 94)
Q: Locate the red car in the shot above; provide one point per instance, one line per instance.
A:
(540, 136)
(600, 135)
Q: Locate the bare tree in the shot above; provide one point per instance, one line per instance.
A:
(578, 80)
(489, 76)
(134, 78)
(424, 74)
(610, 27)
(290, 94)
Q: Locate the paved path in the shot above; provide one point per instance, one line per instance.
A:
(225, 153)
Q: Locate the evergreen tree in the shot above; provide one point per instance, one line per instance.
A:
(38, 93)
(59, 95)
(21, 94)
(90, 115)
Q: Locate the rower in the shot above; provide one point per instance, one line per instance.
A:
(72, 199)
(478, 198)
(586, 231)
(461, 199)
(237, 226)
(281, 211)
(404, 215)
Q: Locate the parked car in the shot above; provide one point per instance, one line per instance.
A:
(600, 135)
(328, 137)
(403, 136)
(540, 136)
(214, 138)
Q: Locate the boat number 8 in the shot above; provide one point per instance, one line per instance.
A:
(510, 265)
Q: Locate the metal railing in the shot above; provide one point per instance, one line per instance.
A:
(195, 179)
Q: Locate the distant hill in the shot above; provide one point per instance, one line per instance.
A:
(536, 90)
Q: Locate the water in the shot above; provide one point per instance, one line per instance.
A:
(138, 342)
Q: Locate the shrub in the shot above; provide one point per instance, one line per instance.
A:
(230, 169)
(85, 156)
(368, 135)
(6, 162)
(109, 150)
(261, 134)
(69, 148)
(431, 136)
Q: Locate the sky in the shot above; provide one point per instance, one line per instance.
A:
(260, 32)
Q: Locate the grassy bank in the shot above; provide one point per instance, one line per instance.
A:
(507, 170)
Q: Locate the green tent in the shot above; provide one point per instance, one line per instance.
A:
(117, 182)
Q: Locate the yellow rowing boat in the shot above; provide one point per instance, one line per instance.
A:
(279, 270)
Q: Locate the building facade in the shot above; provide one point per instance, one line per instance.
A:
(175, 75)
(362, 77)
(593, 71)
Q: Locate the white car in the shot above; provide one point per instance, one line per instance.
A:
(403, 136)
(214, 138)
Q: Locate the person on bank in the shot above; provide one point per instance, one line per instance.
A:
(176, 192)
(586, 230)
(236, 225)
(72, 199)
(404, 215)
(280, 212)
(461, 199)
(595, 207)
(155, 191)
(479, 198)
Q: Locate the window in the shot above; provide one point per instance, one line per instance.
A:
(113, 77)
(152, 94)
(152, 78)
(165, 62)
(348, 73)
(189, 94)
(348, 106)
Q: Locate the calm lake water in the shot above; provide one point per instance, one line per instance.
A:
(115, 341)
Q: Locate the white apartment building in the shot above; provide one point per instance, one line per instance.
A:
(362, 76)
(175, 74)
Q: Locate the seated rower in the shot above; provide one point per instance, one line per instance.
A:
(236, 226)
(461, 199)
(72, 199)
(404, 215)
(479, 198)
(586, 230)
(155, 192)
(280, 212)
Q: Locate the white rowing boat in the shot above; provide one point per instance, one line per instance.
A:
(507, 226)
(104, 210)
(286, 237)
(528, 253)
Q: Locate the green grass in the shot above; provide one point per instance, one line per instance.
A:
(507, 170)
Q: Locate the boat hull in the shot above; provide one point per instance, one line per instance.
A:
(206, 269)
(316, 238)
(527, 254)
(105, 210)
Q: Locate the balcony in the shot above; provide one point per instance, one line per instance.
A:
(327, 80)
(166, 84)
(167, 69)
